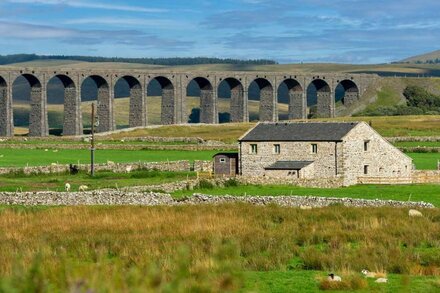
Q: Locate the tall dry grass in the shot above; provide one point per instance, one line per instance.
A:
(206, 246)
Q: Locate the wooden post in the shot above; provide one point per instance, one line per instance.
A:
(92, 143)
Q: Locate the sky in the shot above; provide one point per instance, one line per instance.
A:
(349, 31)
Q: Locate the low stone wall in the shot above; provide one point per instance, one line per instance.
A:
(203, 166)
(385, 180)
(113, 197)
(420, 149)
(426, 176)
(174, 166)
(413, 138)
(303, 182)
(125, 146)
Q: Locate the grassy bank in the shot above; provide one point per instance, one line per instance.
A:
(422, 192)
(213, 248)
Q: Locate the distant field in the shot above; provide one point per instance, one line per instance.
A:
(383, 69)
(230, 132)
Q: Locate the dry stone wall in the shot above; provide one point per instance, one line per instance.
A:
(115, 197)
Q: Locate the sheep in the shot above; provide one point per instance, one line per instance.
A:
(67, 187)
(55, 151)
(83, 188)
(414, 213)
(46, 150)
(128, 169)
(333, 278)
(368, 274)
(381, 280)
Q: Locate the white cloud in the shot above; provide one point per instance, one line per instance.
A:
(94, 5)
(163, 23)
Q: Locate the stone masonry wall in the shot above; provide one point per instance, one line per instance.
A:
(4, 106)
(297, 105)
(167, 110)
(173, 109)
(137, 115)
(253, 164)
(382, 158)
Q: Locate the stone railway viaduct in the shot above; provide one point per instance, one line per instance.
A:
(174, 90)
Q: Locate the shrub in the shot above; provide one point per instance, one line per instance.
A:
(205, 184)
(232, 182)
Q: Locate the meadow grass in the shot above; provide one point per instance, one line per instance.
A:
(418, 192)
(211, 248)
(102, 179)
(425, 161)
(40, 157)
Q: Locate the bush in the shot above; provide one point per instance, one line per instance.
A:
(232, 182)
(205, 184)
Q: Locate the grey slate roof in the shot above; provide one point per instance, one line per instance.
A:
(299, 131)
(288, 165)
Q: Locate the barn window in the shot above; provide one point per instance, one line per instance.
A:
(276, 148)
(222, 160)
(366, 145)
(365, 169)
(254, 149)
(314, 148)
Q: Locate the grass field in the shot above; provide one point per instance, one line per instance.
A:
(102, 179)
(39, 157)
(233, 247)
(422, 192)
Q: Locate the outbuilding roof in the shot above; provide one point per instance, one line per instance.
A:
(288, 165)
(299, 131)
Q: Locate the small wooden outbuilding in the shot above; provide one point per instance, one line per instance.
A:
(225, 164)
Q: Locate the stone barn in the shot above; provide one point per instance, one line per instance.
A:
(225, 164)
(352, 152)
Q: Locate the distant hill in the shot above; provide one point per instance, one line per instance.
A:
(19, 58)
(428, 58)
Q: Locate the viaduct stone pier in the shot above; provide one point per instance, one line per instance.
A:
(174, 91)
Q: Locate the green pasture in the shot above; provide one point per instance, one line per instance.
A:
(41, 157)
(102, 179)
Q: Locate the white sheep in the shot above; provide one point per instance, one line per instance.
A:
(67, 187)
(368, 274)
(414, 213)
(55, 151)
(83, 188)
(128, 169)
(381, 280)
(333, 278)
(46, 150)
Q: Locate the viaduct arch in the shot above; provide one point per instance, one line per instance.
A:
(174, 87)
